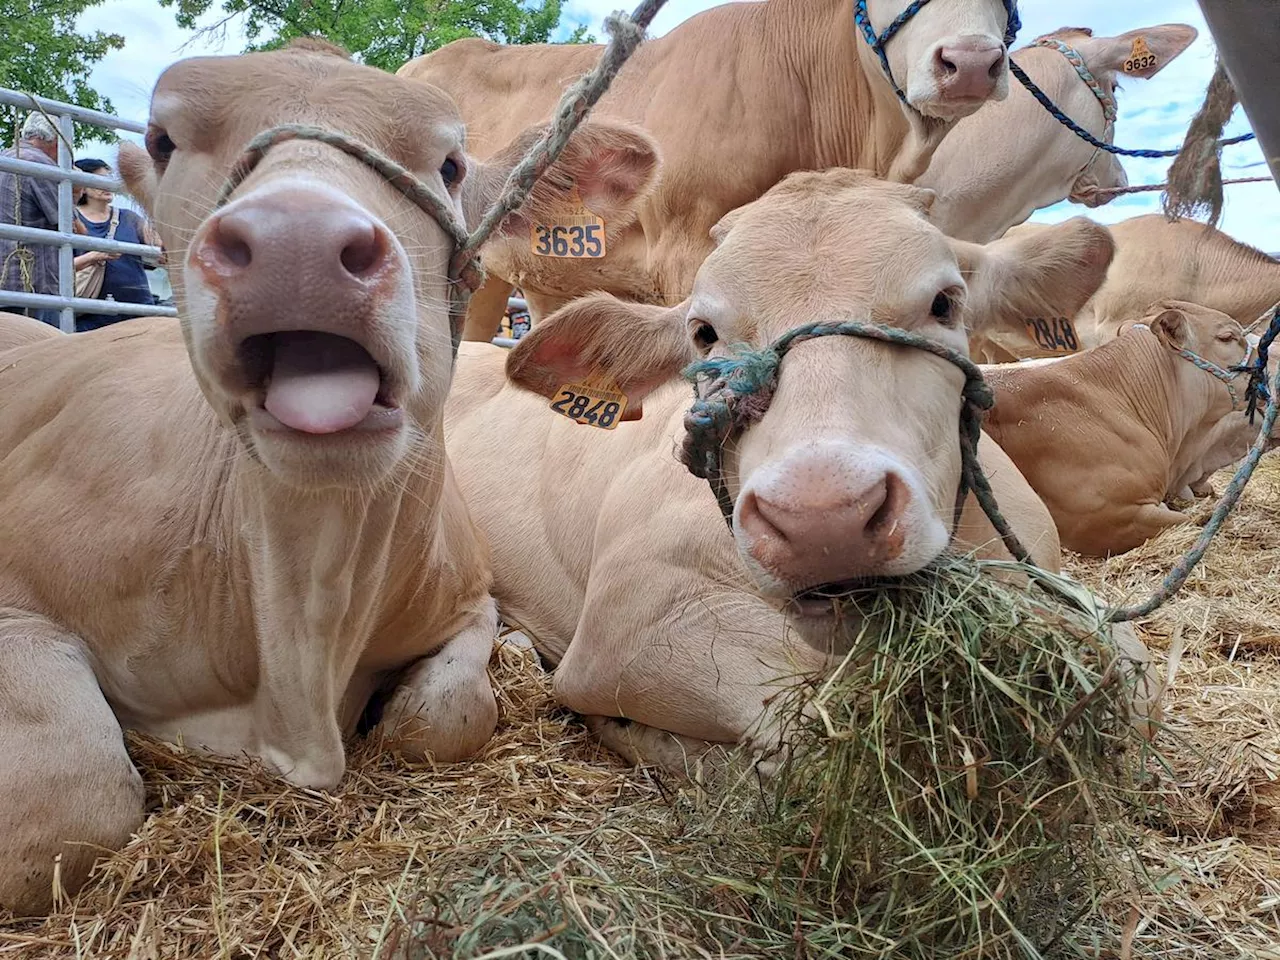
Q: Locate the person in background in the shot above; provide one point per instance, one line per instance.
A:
(125, 279)
(31, 202)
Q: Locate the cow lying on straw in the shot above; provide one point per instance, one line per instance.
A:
(668, 631)
(234, 533)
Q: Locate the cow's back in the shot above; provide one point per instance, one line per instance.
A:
(1183, 260)
(17, 331)
(502, 90)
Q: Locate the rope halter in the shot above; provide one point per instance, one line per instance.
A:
(465, 274)
(733, 392)
(1108, 100)
(878, 42)
(1228, 377)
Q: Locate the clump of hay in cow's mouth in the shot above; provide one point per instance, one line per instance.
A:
(965, 772)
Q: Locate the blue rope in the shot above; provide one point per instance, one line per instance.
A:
(1257, 393)
(1013, 24)
(732, 392)
(1088, 137)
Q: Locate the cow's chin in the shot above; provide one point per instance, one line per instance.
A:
(359, 458)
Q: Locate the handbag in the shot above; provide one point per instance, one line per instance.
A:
(89, 279)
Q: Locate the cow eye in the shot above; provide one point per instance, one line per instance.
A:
(704, 335)
(1228, 337)
(159, 146)
(451, 171)
(942, 309)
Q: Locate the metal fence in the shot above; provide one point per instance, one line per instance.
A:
(68, 176)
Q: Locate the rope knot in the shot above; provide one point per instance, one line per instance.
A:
(733, 392)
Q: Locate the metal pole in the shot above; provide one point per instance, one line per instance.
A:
(1247, 33)
(66, 208)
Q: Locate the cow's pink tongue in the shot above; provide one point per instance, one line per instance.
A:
(321, 383)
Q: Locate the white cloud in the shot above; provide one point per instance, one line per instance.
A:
(1153, 113)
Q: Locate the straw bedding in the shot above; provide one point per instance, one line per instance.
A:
(547, 846)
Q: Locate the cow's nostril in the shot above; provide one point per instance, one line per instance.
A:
(994, 71)
(229, 241)
(893, 504)
(364, 251)
(947, 66)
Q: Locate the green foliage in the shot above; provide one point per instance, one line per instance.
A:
(41, 52)
(385, 33)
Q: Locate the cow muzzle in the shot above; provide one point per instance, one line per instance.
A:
(831, 512)
(312, 311)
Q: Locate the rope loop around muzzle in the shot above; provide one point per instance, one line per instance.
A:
(733, 392)
(466, 274)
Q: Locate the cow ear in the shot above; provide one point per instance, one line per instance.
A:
(612, 166)
(1138, 53)
(1171, 326)
(1049, 271)
(628, 346)
(138, 173)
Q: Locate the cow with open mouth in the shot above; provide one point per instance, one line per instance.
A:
(241, 533)
(668, 628)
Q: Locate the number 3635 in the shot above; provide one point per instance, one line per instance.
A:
(575, 241)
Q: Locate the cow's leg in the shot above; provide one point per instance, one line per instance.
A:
(67, 787)
(485, 310)
(1147, 521)
(1203, 487)
(443, 707)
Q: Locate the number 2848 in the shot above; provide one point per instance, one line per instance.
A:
(575, 241)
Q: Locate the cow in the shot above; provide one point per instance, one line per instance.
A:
(17, 330)
(1011, 158)
(239, 532)
(1106, 436)
(736, 97)
(1155, 259)
(667, 630)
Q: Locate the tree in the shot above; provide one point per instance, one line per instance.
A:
(41, 52)
(385, 33)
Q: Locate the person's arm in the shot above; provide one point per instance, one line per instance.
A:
(91, 257)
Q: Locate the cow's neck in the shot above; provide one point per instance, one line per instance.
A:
(319, 564)
(856, 119)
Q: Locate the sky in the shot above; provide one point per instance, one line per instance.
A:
(1153, 113)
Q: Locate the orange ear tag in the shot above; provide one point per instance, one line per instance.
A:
(1140, 57)
(598, 404)
(570, 233)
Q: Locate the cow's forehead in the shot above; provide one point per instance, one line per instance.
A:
(856, 246)
(243, 94)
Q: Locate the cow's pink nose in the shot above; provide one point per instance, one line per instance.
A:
(826, 529)
(968, 68)
(294, 250)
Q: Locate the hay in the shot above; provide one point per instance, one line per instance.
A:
(546, 845)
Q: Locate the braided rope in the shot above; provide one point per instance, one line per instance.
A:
(878, 42)
(465, 272)
(1074, 58)
(1088, 137)
(733, 392)
(1153, 187)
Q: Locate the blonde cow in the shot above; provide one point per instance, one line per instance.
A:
(668, 630)
(1155, 259)
(737, 97)
(237, 533)
(1010, 158)
(1106, 437)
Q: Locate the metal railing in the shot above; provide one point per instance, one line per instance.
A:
(64, 238)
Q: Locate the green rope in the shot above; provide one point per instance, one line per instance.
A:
(732, 392)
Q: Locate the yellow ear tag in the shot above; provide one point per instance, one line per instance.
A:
(1140, 57)
(594, 403)
(571, 233)
(1056, 335)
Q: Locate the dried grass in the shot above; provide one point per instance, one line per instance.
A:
(547, 846)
